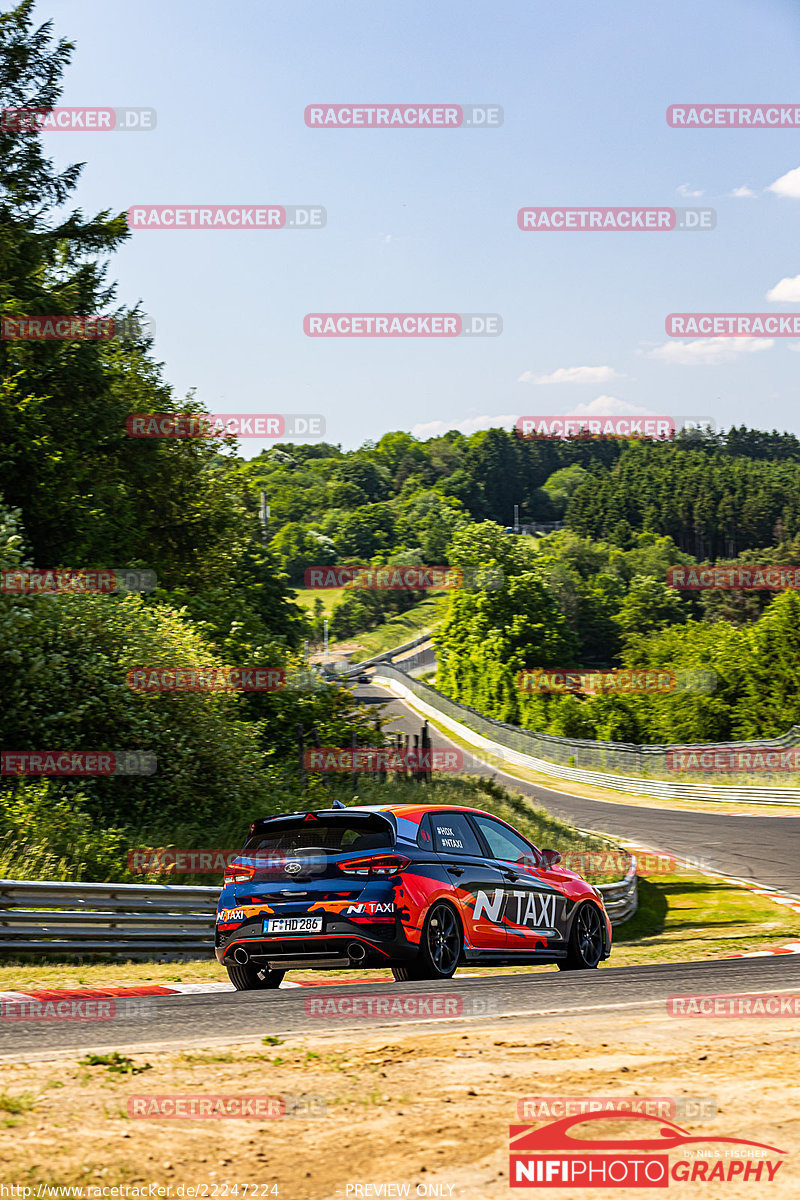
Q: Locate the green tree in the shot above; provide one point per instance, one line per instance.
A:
(770, 700)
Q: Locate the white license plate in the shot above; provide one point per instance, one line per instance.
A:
(293, 925)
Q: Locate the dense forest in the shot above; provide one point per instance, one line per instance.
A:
(77, 492)
(714, 494)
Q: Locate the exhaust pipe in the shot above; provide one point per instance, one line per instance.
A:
(356, 953)
(240, 955)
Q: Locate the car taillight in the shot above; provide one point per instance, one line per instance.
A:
(239, 873)
(381, 865)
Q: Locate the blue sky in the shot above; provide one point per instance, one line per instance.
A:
(425, 220)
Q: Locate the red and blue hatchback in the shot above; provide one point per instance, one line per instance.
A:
(421, 889)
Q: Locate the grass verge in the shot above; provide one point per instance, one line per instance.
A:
(305, 598)
(401, 628)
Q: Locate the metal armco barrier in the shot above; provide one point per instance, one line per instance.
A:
(621, 899)
(387, 655)
(124, 920)
(109, 918)
(526, 748)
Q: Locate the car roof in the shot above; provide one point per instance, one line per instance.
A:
(408, 812)
(415, 812)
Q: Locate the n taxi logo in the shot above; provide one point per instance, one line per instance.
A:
(539, 911)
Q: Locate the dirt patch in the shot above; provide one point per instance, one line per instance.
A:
(417, 1108)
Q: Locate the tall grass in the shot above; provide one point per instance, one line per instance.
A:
(45, 836)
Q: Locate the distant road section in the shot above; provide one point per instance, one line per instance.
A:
(765, 849)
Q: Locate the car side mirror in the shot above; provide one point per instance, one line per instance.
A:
(551, 858)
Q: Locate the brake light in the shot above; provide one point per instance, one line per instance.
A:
(239, 873)
(369, 919)
(380, 865)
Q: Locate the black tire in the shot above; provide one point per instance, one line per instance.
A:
(585, 940)
(247, 977)
(439, 947)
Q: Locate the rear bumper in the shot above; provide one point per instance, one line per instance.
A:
(324, 951)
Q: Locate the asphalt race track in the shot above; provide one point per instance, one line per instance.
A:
(221, 1017)
(757, 848)
(765, 849)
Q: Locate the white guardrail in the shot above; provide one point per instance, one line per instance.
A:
(430, 703)
(127, 920)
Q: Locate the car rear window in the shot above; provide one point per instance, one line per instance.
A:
(332, 835)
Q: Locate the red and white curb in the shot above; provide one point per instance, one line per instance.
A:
(151, 990)
(44, 995)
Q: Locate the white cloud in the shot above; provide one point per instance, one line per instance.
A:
(430, 429)
(787, 290)
(572, 375)
(742, 193)
(685, 190)
(787, 185)
(708, 351)
(608, 406)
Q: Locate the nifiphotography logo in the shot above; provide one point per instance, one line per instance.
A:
(659, 1153)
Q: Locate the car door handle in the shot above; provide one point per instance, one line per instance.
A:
(456, 870)
(511, 874)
